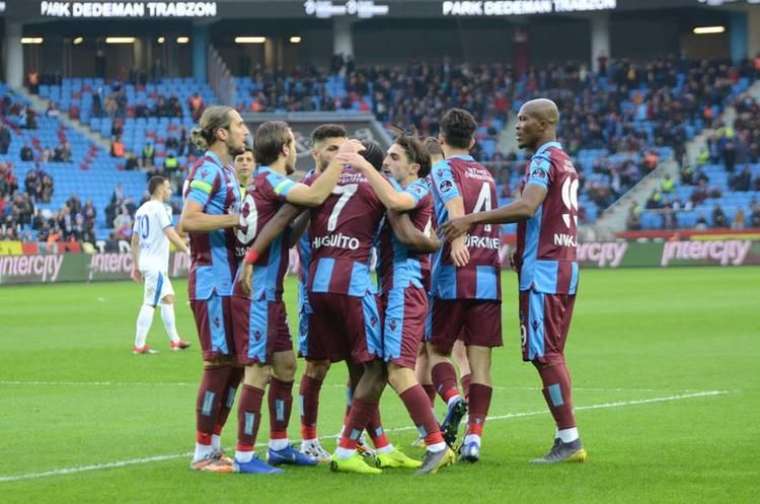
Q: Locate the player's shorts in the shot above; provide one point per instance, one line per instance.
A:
(304, 314)
(213, 318)
(404, 311)
(260, 329)
(474, 321)
(544, 324)
(157, 287)
(343, 327)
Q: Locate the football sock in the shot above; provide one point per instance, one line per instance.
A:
(357, 420)
(557, 392)
(567, 435)
(417, 404)
(376, 432)
(280, 404)
(309, 392)
(479, 402)
(445, 381)
(167, 315)
(249, 417)
(429, 389)
(236, 374)
(144, 321)
(209, 401)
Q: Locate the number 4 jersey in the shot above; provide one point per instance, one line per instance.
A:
(547, 242)
(343, 231)
(480, 279)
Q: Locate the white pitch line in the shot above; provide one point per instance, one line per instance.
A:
(162, 458)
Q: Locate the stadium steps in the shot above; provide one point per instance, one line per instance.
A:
(40, 106)
(507, 138)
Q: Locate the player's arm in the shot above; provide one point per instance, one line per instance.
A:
(193, 218)
(408, 234)
(135, 244)
(443, 180)
(315, 194)
(398, 201)
(175, 238)
(523, 208)
(274, 228)
(297, 228)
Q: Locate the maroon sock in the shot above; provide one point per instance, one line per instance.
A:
(479, 402)
(280, 404)
(349, 401)
(557, 392)
(417, 405)
(309, 392)
(249, 417)
(465, 380)
(375, 429)
(445, 380)
(224, 412)
(429, 389)
(209, 401)
(357, 420)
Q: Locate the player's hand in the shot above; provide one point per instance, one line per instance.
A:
(136, 275)
(454, 228)
(234, 220)
(245, 279)
(352, 146)
(460, 255)
(355, 160)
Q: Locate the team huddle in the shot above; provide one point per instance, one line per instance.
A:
(423, 213)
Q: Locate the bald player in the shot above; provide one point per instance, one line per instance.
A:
(545, 259)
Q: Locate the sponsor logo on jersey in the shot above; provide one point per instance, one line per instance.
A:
(338, 240)
(482, 242)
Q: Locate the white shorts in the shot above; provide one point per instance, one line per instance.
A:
(157, 286)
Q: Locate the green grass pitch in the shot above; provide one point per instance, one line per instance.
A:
(666, 365)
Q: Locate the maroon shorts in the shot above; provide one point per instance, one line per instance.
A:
(476, 322)
(343, 327)
(544, 324)
(404, 325)
(213, 319)
(260, 329)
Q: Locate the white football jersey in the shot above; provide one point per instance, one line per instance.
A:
(150, 221)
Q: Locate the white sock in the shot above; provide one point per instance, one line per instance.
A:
(202, 451)
(310, 441)
(144, 321)
(216, 442)
(436, 447)
(452, 400)
(278, 444)
(385, 449)
(243, 456)
(568, 435)
(472, 438)
(344, 453)
(167, 315)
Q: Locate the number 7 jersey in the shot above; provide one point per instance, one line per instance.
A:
(464, 177)
(547, 242)
(343, 232)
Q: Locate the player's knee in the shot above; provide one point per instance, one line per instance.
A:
(284, 366)
(168, 299)
(317, 370)
(257, 375)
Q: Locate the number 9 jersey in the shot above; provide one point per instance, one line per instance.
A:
(547, 242)
(266, 194)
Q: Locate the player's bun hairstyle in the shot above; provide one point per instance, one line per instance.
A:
(155, 182)
(373, 153)
(203, 136)
(458, 128)
(327, 131)
(269, 140)
(416, 153)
